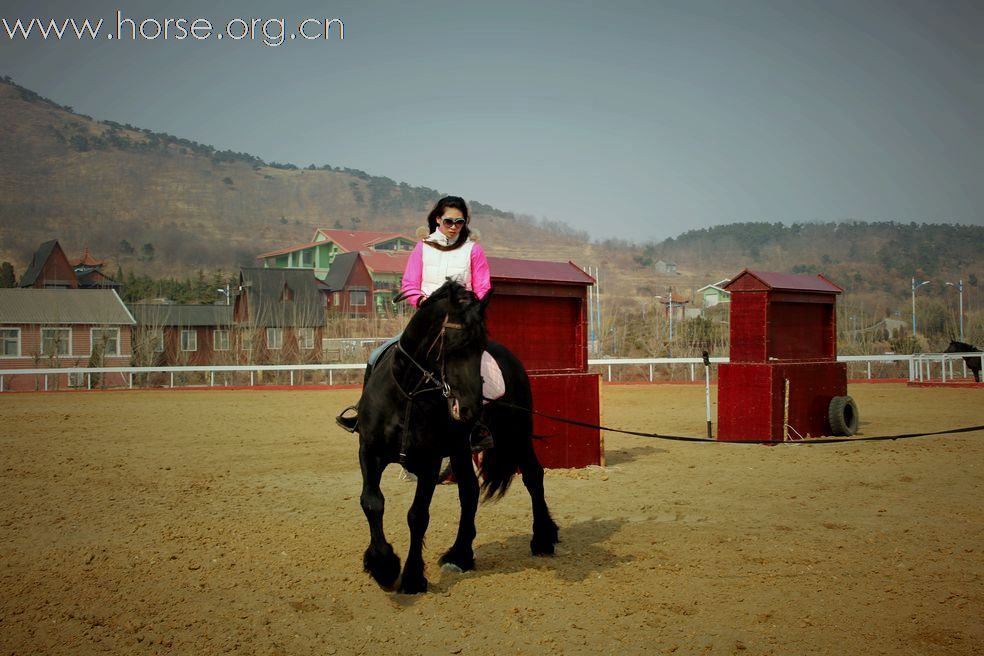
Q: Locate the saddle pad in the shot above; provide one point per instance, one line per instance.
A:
(493, 386)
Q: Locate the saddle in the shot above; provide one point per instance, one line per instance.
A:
(493, 387)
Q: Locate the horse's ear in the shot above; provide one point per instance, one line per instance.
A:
(453, 301)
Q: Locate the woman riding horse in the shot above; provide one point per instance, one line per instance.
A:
(447, 252)
(419, 406)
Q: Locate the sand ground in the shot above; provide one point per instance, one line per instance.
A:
(203, 522)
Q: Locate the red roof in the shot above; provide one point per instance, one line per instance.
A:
(358, 240)
(88, 260)
(677, 299)
(282, 251)
(347, 240)
(508, 268)
(385, 262)
(783, 281)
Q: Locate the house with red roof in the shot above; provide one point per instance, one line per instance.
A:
(319, 254)
(361, 270)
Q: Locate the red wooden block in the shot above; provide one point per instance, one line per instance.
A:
(572, 396)
(751, 398)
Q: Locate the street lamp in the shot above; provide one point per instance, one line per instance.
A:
(959, 288)
(916, 286)
(224, 290)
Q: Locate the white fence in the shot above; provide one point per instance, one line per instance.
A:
(919, 367)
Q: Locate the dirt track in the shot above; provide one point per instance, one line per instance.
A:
(228, 521)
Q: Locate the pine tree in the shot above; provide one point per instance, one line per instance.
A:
(7, 278)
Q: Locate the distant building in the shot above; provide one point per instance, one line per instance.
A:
(715, 293)
(676, 304)
(60, 328)
(88, 271)
(168, 335)
(279, 315)
(349, 285)
(320, 253)
(50, 269)
(665, 267)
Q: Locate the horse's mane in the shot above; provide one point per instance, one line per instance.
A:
(471, 311)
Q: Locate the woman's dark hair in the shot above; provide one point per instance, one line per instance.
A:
(458, 203)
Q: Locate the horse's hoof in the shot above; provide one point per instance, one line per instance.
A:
(412, 585)
(542, 547)
(383, 567)
(457, 562)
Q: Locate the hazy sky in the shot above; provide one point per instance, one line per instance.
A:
(635, 120)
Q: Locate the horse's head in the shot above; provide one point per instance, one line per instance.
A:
(959, 347)
(456, 320)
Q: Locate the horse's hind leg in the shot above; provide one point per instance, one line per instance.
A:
(413, 580)
(379, 560)
(544, 529)
(460, 554)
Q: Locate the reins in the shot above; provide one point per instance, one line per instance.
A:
(439, 383)
(687, 438)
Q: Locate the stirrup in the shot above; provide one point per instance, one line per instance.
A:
(481, 438)
(351, 424)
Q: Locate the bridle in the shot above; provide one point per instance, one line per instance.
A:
(438, 381)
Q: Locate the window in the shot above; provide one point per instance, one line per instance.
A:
(220, 340)
(156, 340)
(9, 342)
(107, 339)
(275, 338)
(56, 341)
(305, 338)
(336, 298)
(77, 379)
(357, 298)
(189, 340)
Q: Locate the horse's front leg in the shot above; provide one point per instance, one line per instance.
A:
(413, 580)
(379, 560)
(461, 555)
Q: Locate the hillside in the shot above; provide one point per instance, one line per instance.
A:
(96, 184)
(117, 189)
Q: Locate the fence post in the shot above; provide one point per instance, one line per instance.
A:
(650, 373)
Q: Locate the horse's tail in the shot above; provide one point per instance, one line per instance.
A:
(511, 426)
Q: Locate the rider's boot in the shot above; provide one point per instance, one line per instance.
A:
(351, 423)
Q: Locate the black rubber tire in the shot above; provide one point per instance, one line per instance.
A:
(843, 416)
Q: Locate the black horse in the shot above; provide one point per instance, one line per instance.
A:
(419, 405)
(973, 363)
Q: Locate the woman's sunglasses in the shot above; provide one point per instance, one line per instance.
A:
(452, 222)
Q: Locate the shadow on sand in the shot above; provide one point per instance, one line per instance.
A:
(622, 456)
(580, 554)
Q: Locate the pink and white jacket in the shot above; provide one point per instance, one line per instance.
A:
(428, 268)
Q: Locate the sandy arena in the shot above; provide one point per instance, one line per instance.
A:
(206, 522)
